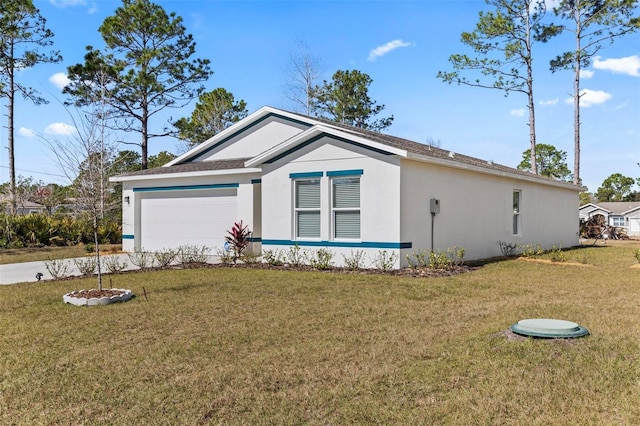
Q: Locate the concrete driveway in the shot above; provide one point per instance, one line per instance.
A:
(26, 272)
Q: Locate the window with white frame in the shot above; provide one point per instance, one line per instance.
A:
(617, 221)
(307, 208)
(517, 195)
(345, 207)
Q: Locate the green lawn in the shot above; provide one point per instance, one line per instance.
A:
(32, 254)
(248, 346)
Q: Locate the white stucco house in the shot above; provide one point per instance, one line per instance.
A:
(300, 180)
(621, 214)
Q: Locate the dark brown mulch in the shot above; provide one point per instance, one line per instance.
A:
(406, 272)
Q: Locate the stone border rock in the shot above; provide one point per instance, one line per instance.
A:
(75, 298)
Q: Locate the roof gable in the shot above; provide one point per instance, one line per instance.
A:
(247, 138)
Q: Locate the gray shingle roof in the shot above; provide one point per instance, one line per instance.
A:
(392, 141)
(619, 207)
(199, 166)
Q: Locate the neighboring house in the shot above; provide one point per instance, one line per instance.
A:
(297, 180)
(621, 214)
(23, 207)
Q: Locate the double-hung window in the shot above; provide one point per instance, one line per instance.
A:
(617, 221)
(516, 212)
(345, 207)
(307, 208)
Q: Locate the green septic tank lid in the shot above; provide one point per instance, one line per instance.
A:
(552, 328)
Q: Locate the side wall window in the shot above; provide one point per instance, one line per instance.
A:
(517, 200)
(345, 207)
(307, 208)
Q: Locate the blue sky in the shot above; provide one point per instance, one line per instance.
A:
(401, 44)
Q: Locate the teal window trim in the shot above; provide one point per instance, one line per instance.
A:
(256, 181)
(354, 172)
(186, 187)
(306, 175)
(127, 237)
(347, 244)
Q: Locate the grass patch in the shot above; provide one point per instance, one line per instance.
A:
(33, 254)
(248, 346)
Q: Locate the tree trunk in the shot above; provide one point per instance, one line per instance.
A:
(531, 103)
(145, 138)
(576, 99)
(10, 138)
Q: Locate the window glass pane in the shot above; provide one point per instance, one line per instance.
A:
(308, 194)
(515, 224)
(347, 224)
(516, 202)
(308, 224)
(346, 193)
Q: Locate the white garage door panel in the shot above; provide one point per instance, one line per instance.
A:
(176, 218)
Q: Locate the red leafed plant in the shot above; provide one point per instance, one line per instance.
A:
(238, 239)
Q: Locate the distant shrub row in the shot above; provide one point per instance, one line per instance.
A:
(38, 229)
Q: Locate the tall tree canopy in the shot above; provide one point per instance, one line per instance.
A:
(345, 99)
(503, 44)
(551, 162)
(592, 23)
(616, 187)
(214, 112)
(148, 61)
(23, 32)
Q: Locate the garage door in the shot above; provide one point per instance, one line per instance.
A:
(169, 219)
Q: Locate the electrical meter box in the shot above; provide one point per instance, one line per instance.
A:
(434, 205)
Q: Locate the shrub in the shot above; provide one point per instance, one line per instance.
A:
(508, 249)
(58, 268)
(225, 256)
(556, 254)
(355, 260)
(385, 260)
(140, 258)
(238, 239)
(636, 253)
(323, 259)
(112, 263)
(273, 257)
(439, 260)
(531, 250)
(297, 256)
(165, 257)
(193, 254)
(418, 259)
(86, 265)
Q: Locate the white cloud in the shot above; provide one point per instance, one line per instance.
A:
(61, 129)
(26, 132)
(549, 102)
(591, 97)
(59, 80)
(386, 48)
(586, 74)
(518, 112)
(629, 65)
(68, 3)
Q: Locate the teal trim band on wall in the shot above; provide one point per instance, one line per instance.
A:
(346, 172)
(363, 244)
(186, 187)
(306, 175)
(255, 181)
(127, 237)
(254, 239)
